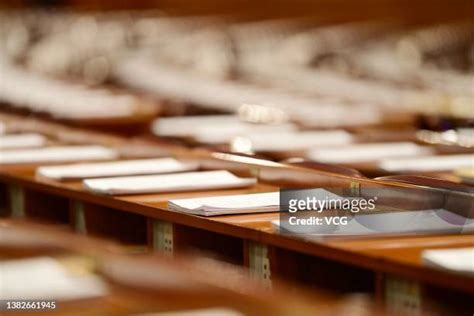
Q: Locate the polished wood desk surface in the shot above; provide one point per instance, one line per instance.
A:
(380, 254)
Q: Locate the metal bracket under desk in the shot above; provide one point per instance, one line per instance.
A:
(259, 262)
(79, 217)
(17, 201)
(163, 237)
(402, 297)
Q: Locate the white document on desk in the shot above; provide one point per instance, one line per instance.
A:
(187, 181)
(44, 278)
(230, 204)
(293, 140)
(27, 140)
(367, 152)
(115, 168)
(459, 260)
(428, 164)
(57, 154)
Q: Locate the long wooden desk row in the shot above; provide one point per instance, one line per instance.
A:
(145, 283)
(389, 267)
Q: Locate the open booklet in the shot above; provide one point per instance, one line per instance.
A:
(27, 140)
(460, 260)
(187, 181)
(44, 278)
(57, 154)
(229, 204)
(383, 223)
(115, 168)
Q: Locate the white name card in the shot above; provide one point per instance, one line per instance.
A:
(458, 260)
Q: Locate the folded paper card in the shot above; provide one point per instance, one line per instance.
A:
(428, 164)
(188, 181)
(115, 168)
(459, 260)
(367, 152)
(22, 140)
(230, 204)
(56, 154)
(44, 278)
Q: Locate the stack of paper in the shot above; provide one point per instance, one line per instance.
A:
(292, 140)
(43, 278)
(231, 204)
(367, 152)
(459, 260)
(428, 164)
(115, 168)
(56, 154)
(188, 181)
(22, 140)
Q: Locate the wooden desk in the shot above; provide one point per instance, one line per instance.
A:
(361, 264)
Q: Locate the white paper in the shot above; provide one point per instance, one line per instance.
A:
(43, 278)
(292, 140)
(229, 204)
(459, 260)
(213, 129)
(116, 168)
(185, 126)
(56, 154)
(22, 140)
(188, 181)
(367, 152)
(431, 163)
(216, 311)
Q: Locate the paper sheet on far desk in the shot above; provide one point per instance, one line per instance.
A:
(367, 152)
(459, 260)
(187, 181)
(427, 164)
(293, 140)
(43, 278)
(56, 154)
(213, 129)
(26, 140)
(115, 168)
(230, 204)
